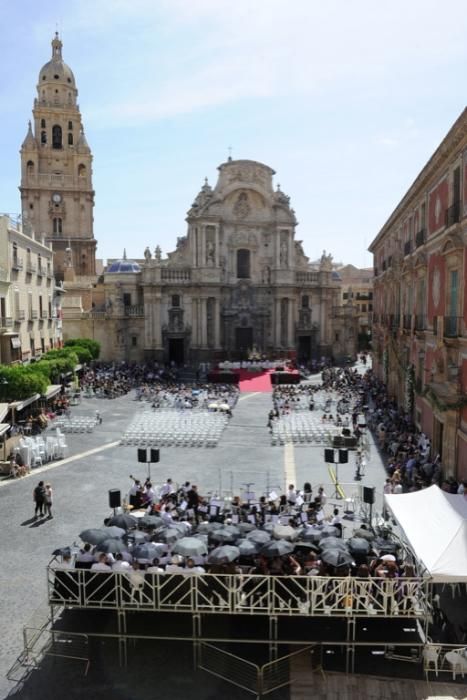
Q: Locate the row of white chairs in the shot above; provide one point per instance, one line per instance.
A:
(173, 428)
(75, 425)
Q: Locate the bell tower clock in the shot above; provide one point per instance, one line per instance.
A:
(57, 195)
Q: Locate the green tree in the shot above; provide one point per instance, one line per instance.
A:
(92, 345)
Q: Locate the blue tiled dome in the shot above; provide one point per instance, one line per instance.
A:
(124, 266)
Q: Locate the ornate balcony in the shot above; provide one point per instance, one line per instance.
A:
(176, 275)
(453, 214)
(134, 310)
(307, 277)
(16, 263)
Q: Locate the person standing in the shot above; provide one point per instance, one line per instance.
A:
(39, 499)
(48, 501)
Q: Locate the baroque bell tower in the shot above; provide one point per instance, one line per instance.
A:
(57, 195)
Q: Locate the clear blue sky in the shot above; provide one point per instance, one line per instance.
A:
(345, 99)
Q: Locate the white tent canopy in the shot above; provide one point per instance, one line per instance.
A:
(435, 524)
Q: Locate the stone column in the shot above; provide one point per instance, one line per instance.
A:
(157, 321)
(277, 324)
(217, 321)
(216, 238)
(291, 324)
(194, 322)
(203, 322)
(203, 246)
(278, 248)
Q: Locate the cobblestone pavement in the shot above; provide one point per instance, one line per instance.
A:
(96, 464)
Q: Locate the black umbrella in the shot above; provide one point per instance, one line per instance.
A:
(329, 531)
(248, 548)
(311, 534)
(358, 545)
(111, 547)
(384, 546)
(136, 537)
(150, 521)
(62, 552)
(224, 554)
(229, 534)
(190, 547)
(366, 534)
(127, 522)
(169, 535)
(149, 550)
(113, 532)
(259, 536)
(337, 557)
(93, 535)
(308, 546)
(332, 543)
(277, 548)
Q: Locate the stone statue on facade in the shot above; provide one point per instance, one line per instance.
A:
(325, 263)
(210, 253)
(158, 253)
(147, 254)
(284, 254)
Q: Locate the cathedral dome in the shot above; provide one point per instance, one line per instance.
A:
(123, 266)
(57, 70)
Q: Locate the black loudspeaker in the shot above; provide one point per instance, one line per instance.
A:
(346, 432)
(329, 456)
(154, 455)
(142, 455)
(343, 457)
(115, 498)
(368, 495)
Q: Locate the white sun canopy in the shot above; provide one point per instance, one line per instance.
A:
(435, 524)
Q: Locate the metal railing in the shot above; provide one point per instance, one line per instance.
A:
(453, 214)
(6, 322)
(134, 310)
(33, 314)
(16, 263)
(452, 326)
(242, 594)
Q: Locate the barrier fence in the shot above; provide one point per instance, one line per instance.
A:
(242, 594)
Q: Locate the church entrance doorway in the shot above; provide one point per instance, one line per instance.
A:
(304, 348)
(177, 351)
(243, 342)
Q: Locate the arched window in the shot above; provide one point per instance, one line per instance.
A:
(243, 263)
(57, 226)
(30, 167)
(81, 170)
(175, 299)
(70, 139)
(305, 301)
(56, 136)
(43, 137)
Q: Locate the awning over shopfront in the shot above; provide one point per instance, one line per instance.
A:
(435, 524)
(19, 405)
(4, 408)
(3, 428)
(52, 390)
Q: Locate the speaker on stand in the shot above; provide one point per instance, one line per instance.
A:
(115, 499)
(369, 499)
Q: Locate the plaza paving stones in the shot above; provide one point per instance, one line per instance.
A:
(97, 463)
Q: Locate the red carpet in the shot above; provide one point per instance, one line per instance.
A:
(255, 381)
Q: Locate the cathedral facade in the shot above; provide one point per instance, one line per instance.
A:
(238, 283)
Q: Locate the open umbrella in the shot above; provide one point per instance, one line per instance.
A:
(329, 531)
(150, 521)
(246, 527)
(229, 533)
(285, 532)
(224, 554)
(277, 548)
(149, 550)
(224, 407)
(310, 534)
(333, 543)
(384, 546)
(336, 557)
(168, 535)
(190, 547)
(366, 534)
(209, 527)
(93, 535)
(213, 406)
(62, 552)
(127, 522)
(308, 546)
(111, 546)
(114, 532)
(136, 537)
(259, 536)
(358, 545)
(248, 548)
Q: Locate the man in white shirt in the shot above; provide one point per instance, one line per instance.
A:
(291, 495)
(155, 568)
(192, 569)
(101, 564)
(85, 554)
(65, 564)
(175, 565)
(120, 564)
(167, 489)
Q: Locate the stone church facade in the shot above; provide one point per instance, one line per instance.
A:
(238, 283)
